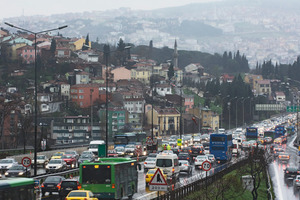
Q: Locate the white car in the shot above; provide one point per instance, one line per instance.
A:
(120, 151)
(206, 150)
(129, 149)
(7, 163)
(185, 166)
(149, 163)
(40, 160)
(199, 160)
(56, 165)
(211, 158)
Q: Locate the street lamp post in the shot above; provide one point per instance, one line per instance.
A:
(222, 110)
(243, 101)
(106, 53)
(236, 110)
(35, 84)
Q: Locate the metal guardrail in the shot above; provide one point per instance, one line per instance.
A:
(182, 192)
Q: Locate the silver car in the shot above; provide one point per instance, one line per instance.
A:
(149, 163)
(7, 163)
(56, 165)
(297, 182)
(185, 166)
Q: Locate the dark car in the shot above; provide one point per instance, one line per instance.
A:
(197, 150)
(88, 157)
(175, 150)
(186, 150)
(185, 156)
(291, 172)
(17, 171)
(50, 184)
(66, 186)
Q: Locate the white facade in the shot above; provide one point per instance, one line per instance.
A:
(134, 106)
(82, 78)
(65, 90)
(163, 89)
(88, 56)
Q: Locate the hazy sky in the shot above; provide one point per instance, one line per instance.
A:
(16, 8)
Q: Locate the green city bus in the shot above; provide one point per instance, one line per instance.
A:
(17, 188)
(110, 178)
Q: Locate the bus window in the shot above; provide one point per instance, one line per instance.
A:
(216, 148)
(96, 175)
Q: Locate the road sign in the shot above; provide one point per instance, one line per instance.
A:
(26, 162)
(179, 142)
(206, 165)
(292, 108)
(158, 182)
(149, 141)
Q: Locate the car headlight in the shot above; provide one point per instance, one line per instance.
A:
(6, 173)
(9, 166)
(21, 173)
(47, 167)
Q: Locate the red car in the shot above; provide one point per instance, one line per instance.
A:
(112, 153)
(70, 160)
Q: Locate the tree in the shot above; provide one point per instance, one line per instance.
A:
(53, 46)
(171, 72)
(150, 49)
(86, 45)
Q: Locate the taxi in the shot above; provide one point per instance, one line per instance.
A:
(57, 155)
(81, 195)
(151, 173)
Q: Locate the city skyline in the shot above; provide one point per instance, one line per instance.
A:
(18, 8)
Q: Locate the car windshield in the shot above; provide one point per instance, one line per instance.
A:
(70, 152)
(85, 156)
(17, 167)
(66, 156)
(53, 179)
(150, 159)
(69, 183)
(183, 162)
(58, 154)
(86, 152)
(164, 162)
(55, 161)
(41, 157)
(151, 171)
(6, 161)
(201, 157)
(77, 194)
(119, 149)
(129, 146)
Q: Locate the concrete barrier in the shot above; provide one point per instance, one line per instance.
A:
(18, 158)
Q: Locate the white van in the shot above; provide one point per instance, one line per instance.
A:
(221, 130)
(168, 162)
(236, 147)
(93, 147)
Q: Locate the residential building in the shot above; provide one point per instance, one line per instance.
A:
(167, 120)
(88, 56)
(141, 74)
(84, 94)
(78, 43)
(188, 102)
(65, 91)
(263, 88)
(209, 119)
(82, 78)
(117, 119)
(280, 97)
(62, 52)
(121, 73)
(253, 79)
(163, 89)
(74, 129)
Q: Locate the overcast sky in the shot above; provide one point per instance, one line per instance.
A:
(16, 8)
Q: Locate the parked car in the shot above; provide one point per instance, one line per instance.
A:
(17, 171)
(150, 174)
(199, 160)
(41, 160)
(70, 160)
(56, 165)
(81, 195)
(74, 153)
(120, 151)
(149, 163)
(185, 156)
(291, 172)
(7, 163)
(88, 157)
(185, 166)
(50, 184)
(67, 185)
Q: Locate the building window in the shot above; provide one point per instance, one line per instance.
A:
(81, 103)
(80, 91)
(81, 97)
